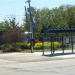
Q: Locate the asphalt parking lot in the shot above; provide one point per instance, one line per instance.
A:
(37, 64)
(35, 57)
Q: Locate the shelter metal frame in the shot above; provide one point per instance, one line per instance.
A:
(58, 30)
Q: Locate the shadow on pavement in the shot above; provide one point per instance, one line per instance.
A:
(57, 54)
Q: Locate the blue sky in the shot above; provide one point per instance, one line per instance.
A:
(16, 7)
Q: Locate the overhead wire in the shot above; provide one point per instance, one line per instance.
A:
(12, 10)
(8, 3)
(12, 14)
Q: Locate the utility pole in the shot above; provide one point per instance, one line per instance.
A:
(31, 25)
(26, 19)
(30, 16)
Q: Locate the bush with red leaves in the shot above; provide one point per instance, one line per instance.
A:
(37, 41)
(13, 35)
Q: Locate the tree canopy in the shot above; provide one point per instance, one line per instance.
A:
(8, 24)
(61, 17)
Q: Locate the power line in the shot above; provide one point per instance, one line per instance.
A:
(11, 15)
(12, 11)
(8, 3)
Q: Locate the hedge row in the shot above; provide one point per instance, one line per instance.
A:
(48, 45)
(17, 47)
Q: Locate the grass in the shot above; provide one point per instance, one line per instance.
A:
(24, 51)
(0, 51)
(29, 50)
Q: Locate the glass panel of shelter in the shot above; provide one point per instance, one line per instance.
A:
(67, 42)
(47, 43)
(73, 41)
(56, 39)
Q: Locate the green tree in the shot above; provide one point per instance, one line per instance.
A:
(61, 17)
(70, 15)
(2, 27)
(8, 23)
(24, 25)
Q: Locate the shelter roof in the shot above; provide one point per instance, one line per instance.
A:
(58, 30)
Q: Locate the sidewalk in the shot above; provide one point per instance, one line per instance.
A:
(35, 57)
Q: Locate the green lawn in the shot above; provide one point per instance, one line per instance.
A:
(29, 50)
(24, 51)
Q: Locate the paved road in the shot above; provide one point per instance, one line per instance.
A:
(26, 64)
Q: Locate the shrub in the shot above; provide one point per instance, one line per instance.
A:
(15, 48)
(38, 46)
(36, 41)
(4, 46)
(39, 41)
(47, 44)
(22, 45)
(13, 35)
(28, 45)
(11, 48)
(57, 44)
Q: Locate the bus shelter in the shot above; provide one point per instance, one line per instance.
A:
(62, 39)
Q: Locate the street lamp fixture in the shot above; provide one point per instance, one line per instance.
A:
(26, 32)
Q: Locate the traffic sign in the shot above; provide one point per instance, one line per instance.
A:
(31, 9)
(33, 24)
